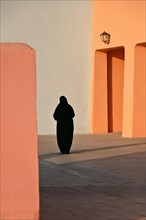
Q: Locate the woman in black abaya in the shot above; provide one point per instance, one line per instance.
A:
(64, 114)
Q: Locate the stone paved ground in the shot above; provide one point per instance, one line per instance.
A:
(102, 179)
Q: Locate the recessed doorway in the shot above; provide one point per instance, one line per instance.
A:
(108, 90)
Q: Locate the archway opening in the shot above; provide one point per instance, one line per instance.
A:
(115, 82)
(108, 90)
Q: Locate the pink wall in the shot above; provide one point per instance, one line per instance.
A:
(19, 153)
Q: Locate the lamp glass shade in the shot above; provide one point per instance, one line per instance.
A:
(105, 37)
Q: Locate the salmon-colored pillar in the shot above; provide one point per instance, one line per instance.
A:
(139, 101)
(19, 187)
(128, 92)
(100, 116)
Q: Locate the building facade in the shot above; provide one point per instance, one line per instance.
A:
(111, 93)
(105, 83)
(119, 68)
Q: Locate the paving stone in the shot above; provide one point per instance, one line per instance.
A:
(90, 187)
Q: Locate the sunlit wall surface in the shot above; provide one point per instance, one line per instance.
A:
(60, 32)
(19, 181)
(70, 56)
(118, 97)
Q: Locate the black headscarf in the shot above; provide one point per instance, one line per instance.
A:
(63, 111)
(63, 100)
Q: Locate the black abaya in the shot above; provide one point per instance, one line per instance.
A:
(64, 114)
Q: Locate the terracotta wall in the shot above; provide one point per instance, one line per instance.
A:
(125, 22)
(19, 157)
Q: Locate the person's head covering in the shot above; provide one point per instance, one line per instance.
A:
(63, 99)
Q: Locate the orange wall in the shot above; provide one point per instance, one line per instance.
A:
(19, 156)
(125, 22)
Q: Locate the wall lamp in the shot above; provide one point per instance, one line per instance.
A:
(105, 37)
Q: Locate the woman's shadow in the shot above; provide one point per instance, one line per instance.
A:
(58, 154)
